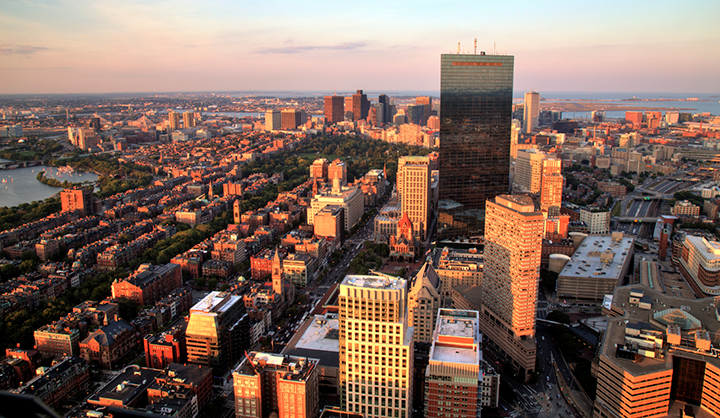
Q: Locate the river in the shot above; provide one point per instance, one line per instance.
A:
(21, 185)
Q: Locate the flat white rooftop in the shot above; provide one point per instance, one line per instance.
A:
(322, 334)
(374, 282)
(215, 302)
(599, 257)
(456, 338)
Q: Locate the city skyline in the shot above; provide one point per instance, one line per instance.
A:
(166, 46)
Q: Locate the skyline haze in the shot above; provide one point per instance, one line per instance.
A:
(57, 46)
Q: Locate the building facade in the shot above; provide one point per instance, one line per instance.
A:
(334, 109)
(267, 383)
(148, 284)
(531, 111)
(513, 247)
(475, 116)
(413, 186)
(376, 347)
(79, 199)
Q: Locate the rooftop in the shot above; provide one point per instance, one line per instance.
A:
(374, 282)
(215, 302)
(457, 337)
(602, 256)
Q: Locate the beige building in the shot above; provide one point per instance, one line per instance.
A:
(424, 301)
(458, 267)
(531, 110)
(350, 198)
(376, 347)
(513, 247)
(528, 171)
(685, 208)
(413, 186)
(597, 222)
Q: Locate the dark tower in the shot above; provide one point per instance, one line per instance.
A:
(475, 115)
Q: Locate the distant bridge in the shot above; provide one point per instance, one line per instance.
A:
(9, 165)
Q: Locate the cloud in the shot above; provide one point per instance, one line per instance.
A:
(345, 46)
(12, 49)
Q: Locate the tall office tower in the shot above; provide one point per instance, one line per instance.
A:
(413, 186)
(290, 118)
(174, 120)
(77, 199)
(361, 106)
(376, 347)
(188, 119)
(427, 103)
(415, 114)
(266, 383)
(379, 109)
(208, 332)
(458, 382)
(338, 169)
(272, 120)
(513, 245)
(551, 186)
(424, 300)
(334, 109)
(475, 115)
(95, 123)
(237, 212)
(532, 110)
(349, 108)
(528, 171)
(385, 101)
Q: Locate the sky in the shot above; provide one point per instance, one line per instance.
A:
(97, 46)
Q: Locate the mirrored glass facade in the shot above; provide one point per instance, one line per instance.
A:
(475, 116)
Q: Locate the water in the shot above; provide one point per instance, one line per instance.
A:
(709, 101)
(22, 186)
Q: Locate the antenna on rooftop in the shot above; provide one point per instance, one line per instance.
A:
(458, 51)
(494, 49)
(475, 47)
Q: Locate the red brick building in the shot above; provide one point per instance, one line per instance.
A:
(77, 199)
(149, 283)
(108, 344)
(166, 347)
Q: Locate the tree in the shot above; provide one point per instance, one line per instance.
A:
(559, 316)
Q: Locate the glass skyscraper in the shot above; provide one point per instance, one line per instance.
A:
(475, 116)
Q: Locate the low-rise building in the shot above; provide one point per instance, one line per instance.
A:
(108, 344)
(148, 284)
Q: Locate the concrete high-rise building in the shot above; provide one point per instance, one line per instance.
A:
(413, 186)
(349, 108)
(188, 119)
(266, 383)
(334, 109)
(376, 346)
(319, 169)
(385, 102)
(513, 247)
(174, 120)
(424, 300)
(350, 198)
(273, 120)
(77, 199)
(475, 115)
(427, 103)
(361, 106)
(208, 331)
(528, 171)
(290, 118)
(551, 186)
(532, 110)
(458, 382)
